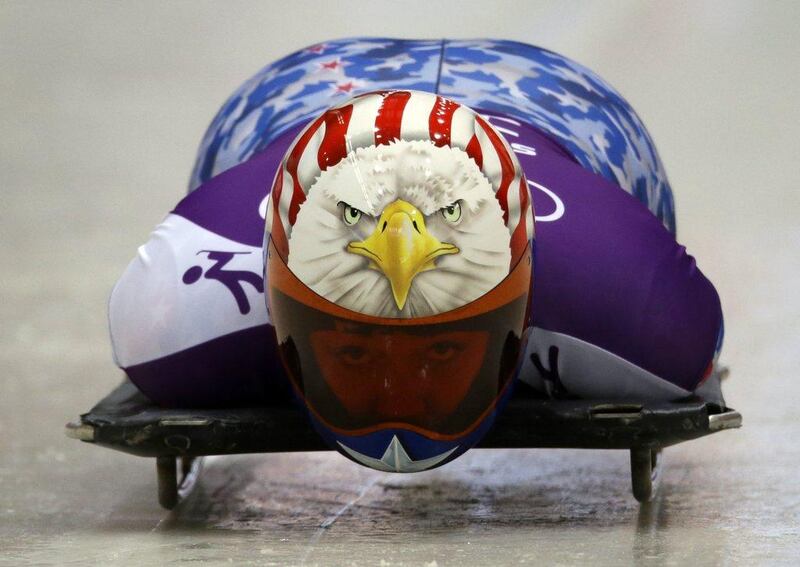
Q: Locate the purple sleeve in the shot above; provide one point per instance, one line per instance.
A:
(188, 321)
(609, 273)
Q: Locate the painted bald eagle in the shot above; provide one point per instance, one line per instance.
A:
(406, 229)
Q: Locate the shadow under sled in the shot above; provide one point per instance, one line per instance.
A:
(127, 421)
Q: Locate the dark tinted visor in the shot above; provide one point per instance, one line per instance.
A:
(439, 375)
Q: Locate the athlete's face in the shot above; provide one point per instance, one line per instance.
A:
(388, 376)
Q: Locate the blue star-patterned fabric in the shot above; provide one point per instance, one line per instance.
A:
(569, 102)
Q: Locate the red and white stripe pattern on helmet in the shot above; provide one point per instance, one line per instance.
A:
(379, 118)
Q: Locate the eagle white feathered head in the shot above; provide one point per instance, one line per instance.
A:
(408, 220)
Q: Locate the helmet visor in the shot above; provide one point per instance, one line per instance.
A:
(436, 375)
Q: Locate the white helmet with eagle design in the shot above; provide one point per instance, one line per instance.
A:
(399, 267)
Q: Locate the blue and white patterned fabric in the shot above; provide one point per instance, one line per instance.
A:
(569, 102)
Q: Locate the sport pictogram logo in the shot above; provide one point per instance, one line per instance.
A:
(231, 279)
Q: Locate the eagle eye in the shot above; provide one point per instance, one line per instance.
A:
(452, 213)
(350, 215)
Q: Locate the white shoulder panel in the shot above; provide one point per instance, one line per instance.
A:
(186, 286)
(576, 367)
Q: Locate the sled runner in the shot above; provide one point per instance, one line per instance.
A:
(125, 420)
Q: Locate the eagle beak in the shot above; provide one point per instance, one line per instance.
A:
(401, 247)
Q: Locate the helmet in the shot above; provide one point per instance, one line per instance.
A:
(398, 259)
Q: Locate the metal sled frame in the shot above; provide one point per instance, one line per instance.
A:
(127, 421)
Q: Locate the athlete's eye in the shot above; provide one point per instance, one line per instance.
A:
(452, 213)
(350, 215)
(443, 351)
(352, 355)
